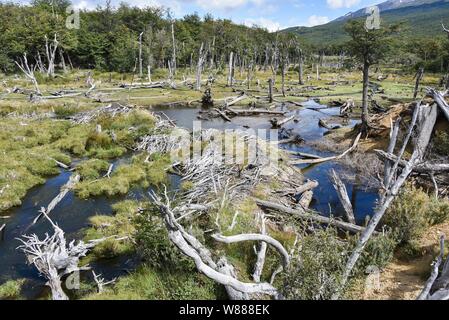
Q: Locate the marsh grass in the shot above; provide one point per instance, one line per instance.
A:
(11, 290)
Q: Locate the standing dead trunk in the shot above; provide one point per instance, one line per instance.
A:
(29, 72)
(283, 67)
(231, 69)
(270, 90)
(300, 68)
(419, 76)
(199, 67)
(140, 56)
(365, 115)
(174, 48)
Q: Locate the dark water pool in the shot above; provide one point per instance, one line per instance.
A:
(72, 213)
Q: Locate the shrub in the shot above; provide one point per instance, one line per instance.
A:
(315, 273)
(155, 246)
(379, 252)
(407, 215)
(412, 212)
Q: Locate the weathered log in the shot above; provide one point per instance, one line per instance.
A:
(423, 167)
(303, 215)
(392, 145)
(440, 101)
(309, 185)
(64, 190)
(261, 254)
(343, 196)
(425, 293)
(223, 115)
(221, 272)
(253, 112)
(303, 154)
(54, 258)
(306, 199)
(321, 160)
(276, 123)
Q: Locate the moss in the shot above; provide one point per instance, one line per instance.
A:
(11, 290)
(92, 169)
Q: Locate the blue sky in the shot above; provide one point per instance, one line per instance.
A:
(272, 14)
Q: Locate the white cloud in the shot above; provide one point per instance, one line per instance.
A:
(315, 20)
(270, 25)
(338, 4)
(226, 4)
(83, 5)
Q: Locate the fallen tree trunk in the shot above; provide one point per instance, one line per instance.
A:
(221, 272)
(343, 196)
(425, 293)
(223, 115)
(276, 123)
(423, 167)
(303, 215)
(309, 185)
(321, 160)
(64, 190)
(253, 112)
(440, 101)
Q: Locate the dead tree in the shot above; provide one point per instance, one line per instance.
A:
(221, 272)
(101, 283)
(343, 196)
(418, 76)
(445, 29)
(425, 118)
(174, 48)
(29, 72)
(140, 56)
(50, 51)
(231, 70)
(270, 90)
(54, 258)
(199, 67)
(300, 67)
(437, 286)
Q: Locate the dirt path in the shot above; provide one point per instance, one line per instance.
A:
(404, 280)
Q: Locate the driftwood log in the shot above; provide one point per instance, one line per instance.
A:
(309, 216)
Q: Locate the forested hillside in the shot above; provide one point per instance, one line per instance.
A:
(421, 21)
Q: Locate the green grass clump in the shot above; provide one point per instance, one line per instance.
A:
(10, 290)
(121, 224)
(92, 169)
(149, 284)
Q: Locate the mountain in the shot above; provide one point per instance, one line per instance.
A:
(421, 18)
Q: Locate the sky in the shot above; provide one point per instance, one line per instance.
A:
(271, 14)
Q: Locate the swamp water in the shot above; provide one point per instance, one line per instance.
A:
(72, 213)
